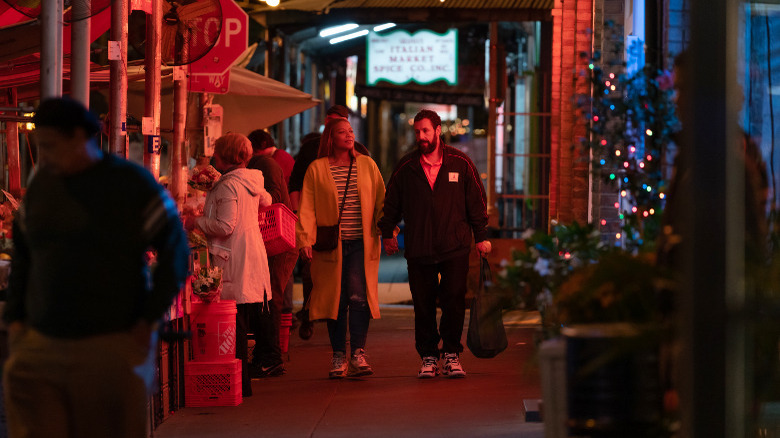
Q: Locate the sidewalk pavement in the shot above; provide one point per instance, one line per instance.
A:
(391, 403)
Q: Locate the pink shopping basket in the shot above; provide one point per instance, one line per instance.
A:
(214, 330)
(212, 383)
(277, 225)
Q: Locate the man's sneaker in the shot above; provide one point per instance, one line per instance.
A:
(429, 368)
(338, 365)
(452, 366)
(259, 372)
(358, 366)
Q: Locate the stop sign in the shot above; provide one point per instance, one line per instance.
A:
(231, 44)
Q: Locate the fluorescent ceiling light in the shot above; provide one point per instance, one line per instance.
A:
(337, 29)
(382, 27)
(349, 36)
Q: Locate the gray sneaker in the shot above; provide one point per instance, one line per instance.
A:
(452, 367)
(429, 368)
(338, 365)
(358, 366)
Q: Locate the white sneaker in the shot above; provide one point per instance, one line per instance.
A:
(338, 367)
(358, 366)
(452, 366)
(429, 368)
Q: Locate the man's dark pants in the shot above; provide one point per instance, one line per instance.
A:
(451, 292)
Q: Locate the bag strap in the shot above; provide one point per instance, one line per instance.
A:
(485, 276)
(346, 187)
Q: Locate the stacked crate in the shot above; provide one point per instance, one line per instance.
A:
(213, 377)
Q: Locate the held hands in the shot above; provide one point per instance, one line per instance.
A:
(391, 245)
(306, 253)
(484, 248)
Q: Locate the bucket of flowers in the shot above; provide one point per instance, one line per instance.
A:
(207, 284)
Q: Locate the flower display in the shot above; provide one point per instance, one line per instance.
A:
(207, 284)
(204, 178)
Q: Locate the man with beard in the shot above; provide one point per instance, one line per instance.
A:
(437, 192)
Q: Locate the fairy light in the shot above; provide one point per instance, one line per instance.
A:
(634, 209)
(618, 236)
(612, 88)
(621, 216)
(652, 211)
(612, 75)
(625, 164)
(567, 255)
(649, 157)
(649, 132)
(632, 149)
(623, 193)
(649, 189)
(607, 83)
(590, 66)
(641, 165)
(611, 176)
(617, 153)
(617, 205)
(602, 161)
(603, 222)
(662, 195)
(595, 118)
(604, 142)
(645, 214)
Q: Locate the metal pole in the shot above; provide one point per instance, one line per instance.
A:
(79, 62)
(153, 88)
(51, 48)
(12, 151)
(176, 182)
(492, 120)
(117, 55)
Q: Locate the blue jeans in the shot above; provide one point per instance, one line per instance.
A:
(352, 300)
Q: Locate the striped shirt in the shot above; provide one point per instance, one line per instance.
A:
(351, 223)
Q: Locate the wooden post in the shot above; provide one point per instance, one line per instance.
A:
(153, 88)
(12, 151)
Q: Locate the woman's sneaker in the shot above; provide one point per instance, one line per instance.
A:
(338, 365)
(429, 368)
(358, 366)
(452, 366)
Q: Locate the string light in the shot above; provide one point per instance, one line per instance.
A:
(612, 88)
(611, 176)
(625, 164)
(649, 132)
(661, 195)
(617, 205)
(595, 118)
(617, 153)
(603, 222)
(641, 165)
(612, 75)
(649, 157)
(645, 214)
(623, 193)
(618, 236)
(604, 142)
(621, 216)
(632, 149)
(649, 189)
(603, 162)
(634, 209)
(607, 83)
(590, 66)
(652, 211)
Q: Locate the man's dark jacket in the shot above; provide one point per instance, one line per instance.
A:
(439, 222)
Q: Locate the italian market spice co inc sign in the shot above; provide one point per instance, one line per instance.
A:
(423, 57)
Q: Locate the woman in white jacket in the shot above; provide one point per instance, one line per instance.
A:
(229, 222)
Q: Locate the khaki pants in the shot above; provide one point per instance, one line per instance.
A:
(75, 387)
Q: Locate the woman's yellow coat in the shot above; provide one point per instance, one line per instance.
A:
(319, 205)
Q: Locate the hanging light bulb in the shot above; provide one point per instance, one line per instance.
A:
(272, 3)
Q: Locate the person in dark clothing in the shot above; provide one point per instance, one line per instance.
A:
(436, 190)
(308, 152)
(280, 265)
(83, 302)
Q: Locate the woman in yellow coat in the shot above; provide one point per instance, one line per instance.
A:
(345, 279)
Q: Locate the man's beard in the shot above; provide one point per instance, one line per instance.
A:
(427, 147)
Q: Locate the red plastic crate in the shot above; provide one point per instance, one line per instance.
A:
(212, 383)
(277, 225)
